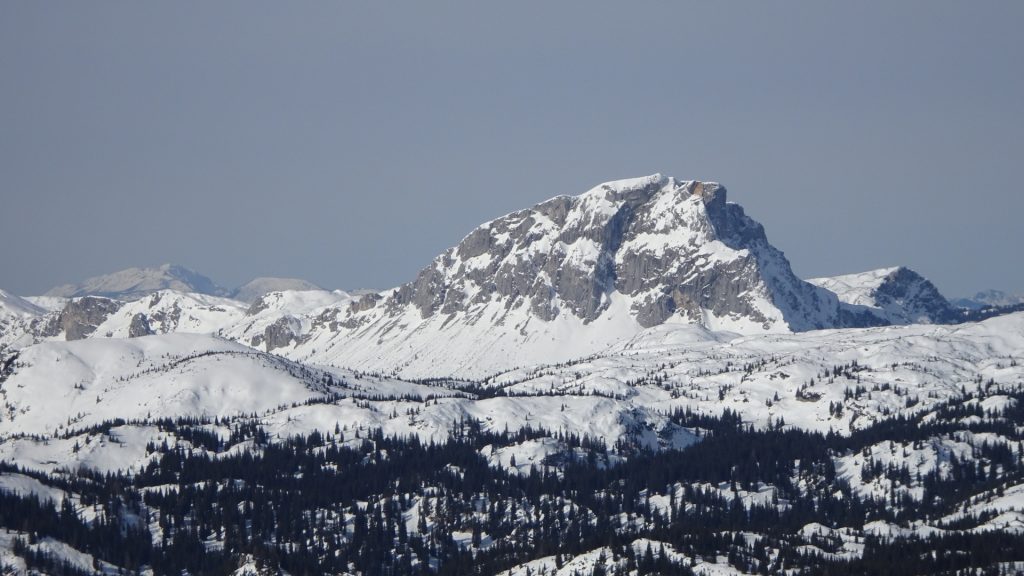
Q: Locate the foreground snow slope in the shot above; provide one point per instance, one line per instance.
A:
(839, 380)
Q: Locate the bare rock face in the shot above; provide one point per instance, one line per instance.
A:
(139, 326)
(81, 316)
(281, 333)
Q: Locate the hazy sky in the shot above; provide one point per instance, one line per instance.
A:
(348, 143)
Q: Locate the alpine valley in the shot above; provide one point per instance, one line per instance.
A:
(629, 381)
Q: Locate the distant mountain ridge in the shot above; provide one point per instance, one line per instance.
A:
(134, 283)
(987, 298)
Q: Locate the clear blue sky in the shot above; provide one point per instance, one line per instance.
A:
(348, 143)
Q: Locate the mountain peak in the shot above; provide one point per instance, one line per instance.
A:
(896, 295)
(642, 189)
(673, 247)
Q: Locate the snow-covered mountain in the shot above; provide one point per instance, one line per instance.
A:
(16, 317)
(135, 283)
(168, 311)
(888, 296)
(12, 307)
(571, 276)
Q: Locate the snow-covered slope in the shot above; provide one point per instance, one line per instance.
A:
(888, 296)
(167, 311)
(55, 386)
(162, 312)
(278, 319)
(621, 394)
(135, 283)
(796, 377)
(571, 276)
(12, 307)
(16, 318)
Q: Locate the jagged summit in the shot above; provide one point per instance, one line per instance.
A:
(134, 283)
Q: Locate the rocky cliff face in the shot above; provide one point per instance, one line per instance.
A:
(81, 316)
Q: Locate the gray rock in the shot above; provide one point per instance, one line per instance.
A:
(139, 326)
(81, 316)
(281, 333)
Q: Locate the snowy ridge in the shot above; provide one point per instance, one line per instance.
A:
(168, 311)
(277, 319)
